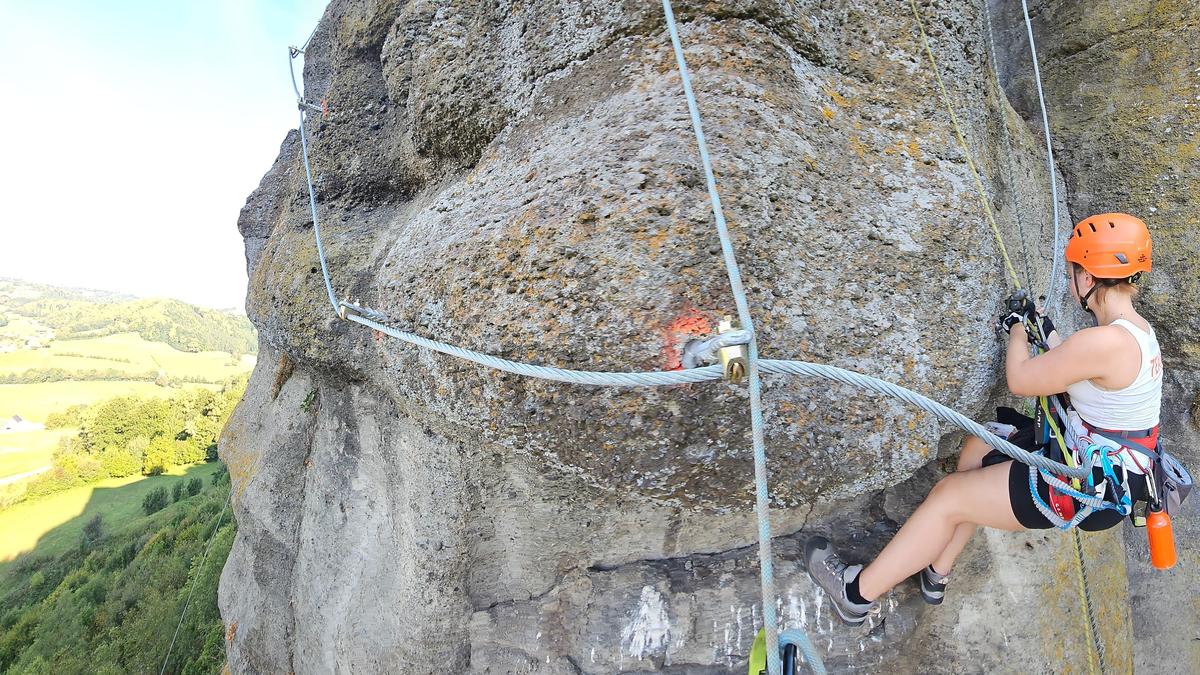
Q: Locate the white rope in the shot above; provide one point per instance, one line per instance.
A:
(1056, 265)
(761, 496)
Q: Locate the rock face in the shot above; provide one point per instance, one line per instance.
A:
(1122, 83)
(521, 179)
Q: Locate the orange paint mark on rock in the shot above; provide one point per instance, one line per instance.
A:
(688, 324)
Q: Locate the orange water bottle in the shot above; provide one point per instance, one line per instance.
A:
(1162, 538)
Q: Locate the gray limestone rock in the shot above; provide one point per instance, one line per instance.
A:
(521, 178)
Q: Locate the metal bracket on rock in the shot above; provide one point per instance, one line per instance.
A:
(729, 347)
(347, 309)
(735, 359)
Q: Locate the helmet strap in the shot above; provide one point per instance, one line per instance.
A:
(1083, 301)
(1098, 282)
(1082, 298)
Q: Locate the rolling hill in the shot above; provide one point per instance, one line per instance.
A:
(64, 347)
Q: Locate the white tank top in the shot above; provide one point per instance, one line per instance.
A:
(1133, 408)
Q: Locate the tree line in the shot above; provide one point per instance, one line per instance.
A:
(43, 375)
(183, 326)
(128, 435)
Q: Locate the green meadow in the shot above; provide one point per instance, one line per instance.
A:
(101, 548)
(28, 450)
(35, 401)
(127, 353)
(53, 524)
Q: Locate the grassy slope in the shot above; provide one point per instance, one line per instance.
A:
(28, 450)
(113, 608)
(54, 524)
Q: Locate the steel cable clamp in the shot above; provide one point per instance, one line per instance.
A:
(735, 359)
(729, 346)
(347, 309)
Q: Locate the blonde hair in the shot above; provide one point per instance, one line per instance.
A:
(1122, 285)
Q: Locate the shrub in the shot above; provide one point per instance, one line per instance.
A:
(67, 445)
(106, 609)
(194, 486)
(56, 479)
(155, 501)
(160, 455)
(93, 531)
(137, 447)
(188, 451)
(120, 463)
(89, 469)
(71, 417)
(177, 491)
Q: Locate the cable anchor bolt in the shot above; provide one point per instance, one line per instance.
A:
(735, 359)
(348, 309)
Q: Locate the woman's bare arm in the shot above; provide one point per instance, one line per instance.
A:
(1083, 356)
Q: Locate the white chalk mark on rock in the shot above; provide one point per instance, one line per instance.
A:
(737, 617)
(650, 630)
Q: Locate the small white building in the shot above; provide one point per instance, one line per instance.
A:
(15, 423)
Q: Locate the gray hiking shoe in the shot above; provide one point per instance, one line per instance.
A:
(832, 574)
(933, 586)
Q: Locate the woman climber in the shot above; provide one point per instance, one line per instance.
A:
(1113, 375)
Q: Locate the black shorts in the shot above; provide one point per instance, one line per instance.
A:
(1019, 496)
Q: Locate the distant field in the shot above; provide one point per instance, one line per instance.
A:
(34, 401)
(28, 450)
(55, 523)
(125, 352)
(19, 326)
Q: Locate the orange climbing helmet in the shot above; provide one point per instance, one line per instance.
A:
(1111, 246)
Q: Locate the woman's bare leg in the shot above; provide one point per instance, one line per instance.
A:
(979, 496)
(969, 459)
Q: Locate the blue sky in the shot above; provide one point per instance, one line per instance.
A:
(131, 134)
